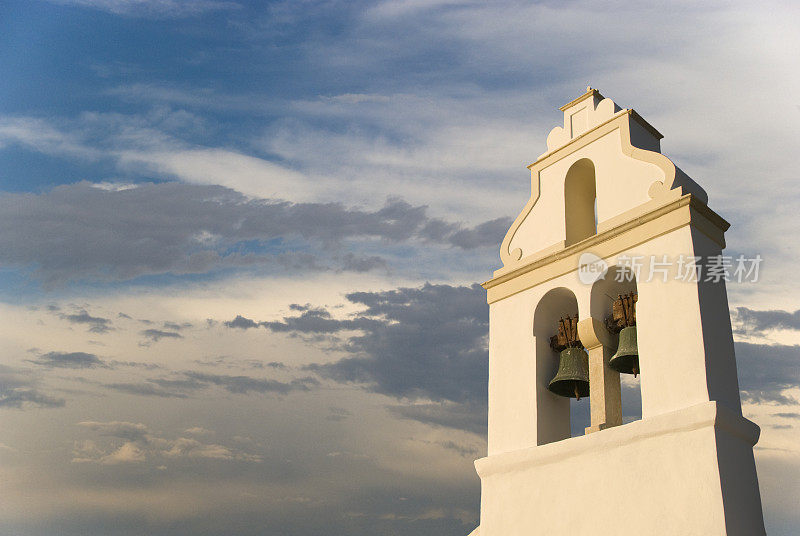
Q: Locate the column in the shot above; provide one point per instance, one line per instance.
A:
(605, 399)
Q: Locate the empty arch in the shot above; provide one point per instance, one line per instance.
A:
(580, 195)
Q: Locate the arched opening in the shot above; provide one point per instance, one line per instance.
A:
(555, 414)
(619, 281)
(580, 202)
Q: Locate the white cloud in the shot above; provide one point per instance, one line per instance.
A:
(141, 445)
(246, 174)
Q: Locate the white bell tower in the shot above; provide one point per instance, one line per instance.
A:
(603, 191)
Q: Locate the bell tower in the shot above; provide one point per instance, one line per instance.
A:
(605, 272)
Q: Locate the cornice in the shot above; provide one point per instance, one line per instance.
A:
(589, 93)
(707, 415)
(685, 210)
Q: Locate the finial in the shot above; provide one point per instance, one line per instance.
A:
(588, 88)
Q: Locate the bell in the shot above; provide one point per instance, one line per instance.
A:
(626, 360)
(572, 379)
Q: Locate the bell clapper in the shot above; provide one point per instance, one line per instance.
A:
(577, 393)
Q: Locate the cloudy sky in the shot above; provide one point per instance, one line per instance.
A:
(239, 244)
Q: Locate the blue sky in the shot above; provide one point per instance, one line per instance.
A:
(239, 242)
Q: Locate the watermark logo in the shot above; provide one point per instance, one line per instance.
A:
(687, 268)
(591, 268)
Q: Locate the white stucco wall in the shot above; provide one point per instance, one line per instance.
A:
(659, 476)
(687, 467)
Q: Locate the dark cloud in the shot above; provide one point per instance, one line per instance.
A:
(429, 344)
(241, 323)
(749, 321)
(144, 389)
(486, 234)
(359, 263)
(766, 370)
(19, 390)
(318, 321)
(79, 231)
(84, 360)
(465, 451)
(247, 384)
(426, 344)
(469, 417)
(123, 430)
(179, 384)
(75, 360)
(20, 398)
(133, 364)
(182, 384)
(226, 362)
(174, 326)
(156, 335)
(311, 321)
(96, 324)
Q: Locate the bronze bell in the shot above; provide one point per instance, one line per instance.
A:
(572, 378)
(626, 360)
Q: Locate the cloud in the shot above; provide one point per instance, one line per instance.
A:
(144, 389)
(241, 323)
(316, 321)
(749, 321)
(766, 371)
(75, 360)
(182, 384)
(227, 362)
(22, 397)
(427, 344)
(465, 451)
(469, 417)
(351, 262)
(19, 390)
(80, 232)
(133, 364)
(127, 453)
(119, 429)
(486, 234)
(96, 324)
(174, 326)
(156, 335)
(247, 384)
(159, 9)
(140, 444)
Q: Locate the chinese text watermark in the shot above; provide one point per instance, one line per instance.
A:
(687, 268)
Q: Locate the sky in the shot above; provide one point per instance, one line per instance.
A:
(240, 244)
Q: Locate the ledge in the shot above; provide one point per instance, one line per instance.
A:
(664, 218)
(707, 414)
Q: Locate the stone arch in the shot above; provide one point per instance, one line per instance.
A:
(553, 412)
(580, 201)
(618, 280)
